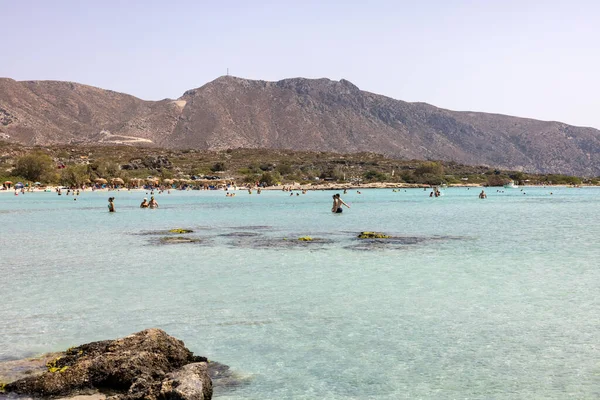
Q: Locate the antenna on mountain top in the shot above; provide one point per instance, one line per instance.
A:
(227, 71)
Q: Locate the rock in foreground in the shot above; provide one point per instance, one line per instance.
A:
(146, 365)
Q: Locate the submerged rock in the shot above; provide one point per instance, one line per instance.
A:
(373, 235)
(180, 231)
(397, 242)
(240, 234)
(146, 365)
(178, 240)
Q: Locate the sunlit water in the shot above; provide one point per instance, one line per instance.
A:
(480, 299)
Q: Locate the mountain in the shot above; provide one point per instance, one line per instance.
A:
(299, 114)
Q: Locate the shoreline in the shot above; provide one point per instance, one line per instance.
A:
(308, 187)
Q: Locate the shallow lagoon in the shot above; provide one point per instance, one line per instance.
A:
(494, 298)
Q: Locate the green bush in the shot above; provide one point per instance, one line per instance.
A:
(375, 176)
(35, 167)
(430, 168)
(559, 179)
(496, 180)
(270, 178)
(284, 169)
(218, 167)
(74, 175)
(430, 179)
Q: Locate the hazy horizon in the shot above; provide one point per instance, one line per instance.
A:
(528, 59)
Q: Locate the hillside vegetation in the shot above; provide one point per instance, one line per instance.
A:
(76, 165)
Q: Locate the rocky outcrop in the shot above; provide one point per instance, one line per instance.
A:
(147, 365)
(191, 382)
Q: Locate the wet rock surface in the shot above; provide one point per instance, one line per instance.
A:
(178, 240)
(396, 242)
(261, 237)
(146, 365)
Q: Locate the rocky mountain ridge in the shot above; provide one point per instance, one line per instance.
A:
(299, 114)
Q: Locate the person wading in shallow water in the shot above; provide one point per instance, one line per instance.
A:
(111, 204)
(337, 204)
(152, 203)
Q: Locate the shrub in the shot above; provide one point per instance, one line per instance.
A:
(284, 169)
(430, 168)
(218, 167)
(74, 175)
(270, 178)
(34, 167)
(375, 176)
(430, 179)
(496, 180)
(267, 167)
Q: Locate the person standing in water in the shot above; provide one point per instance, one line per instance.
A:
(337, 204)
(152, 203)
(111, 204)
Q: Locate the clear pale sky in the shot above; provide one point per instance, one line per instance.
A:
(538, 59)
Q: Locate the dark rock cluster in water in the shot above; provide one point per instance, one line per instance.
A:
(258, 237)
(380, 241)
(148, 365)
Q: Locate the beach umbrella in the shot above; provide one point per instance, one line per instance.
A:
(37, 183)
(118, 181)
(100, 180)
(8, 183)
(168, 181)
(19, 185)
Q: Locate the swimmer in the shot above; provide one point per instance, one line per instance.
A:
(144, 203)
(111, 204)
(482, 195)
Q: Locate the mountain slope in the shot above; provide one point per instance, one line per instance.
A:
(300, 114)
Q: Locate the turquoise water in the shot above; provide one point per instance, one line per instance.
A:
(478, 299)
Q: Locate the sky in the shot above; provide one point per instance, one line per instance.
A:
(528, 58)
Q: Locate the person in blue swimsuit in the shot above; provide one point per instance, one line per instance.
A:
(111, 204)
